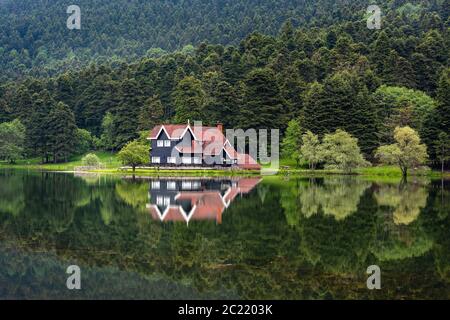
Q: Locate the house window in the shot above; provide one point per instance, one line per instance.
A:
(166, 143)
(187, 185)
(171, 185)
(155, 185)
(186, 160)
(160, 143)
(171, 160)
(198, 160)
(159, 200)
(156, 160)
(166, 201)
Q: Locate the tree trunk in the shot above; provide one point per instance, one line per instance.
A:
(404, 172)
(134, 168)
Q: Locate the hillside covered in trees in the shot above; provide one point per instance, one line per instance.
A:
(312, 61)
(34, 37)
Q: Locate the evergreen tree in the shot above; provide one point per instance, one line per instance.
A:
(36, 129)
(126, 114)
(442, 148)
(151, 113)
(224, 105)
(189, 100)
(398, 71)
(263, 105)
(61, 132)
(291, 144)
(443, 98)
(342, 102)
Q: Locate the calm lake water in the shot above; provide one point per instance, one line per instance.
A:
(227, 238)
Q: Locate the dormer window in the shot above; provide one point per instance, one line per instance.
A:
(163, 143)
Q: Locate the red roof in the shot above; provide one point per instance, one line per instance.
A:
(201, 133)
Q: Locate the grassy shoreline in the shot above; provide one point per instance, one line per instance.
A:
(113, 166)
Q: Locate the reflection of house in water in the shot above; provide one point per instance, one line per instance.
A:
(185, 200)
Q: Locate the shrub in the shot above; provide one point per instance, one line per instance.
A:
(91, 160)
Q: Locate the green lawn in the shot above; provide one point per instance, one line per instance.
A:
(287, 167)
(108, 159)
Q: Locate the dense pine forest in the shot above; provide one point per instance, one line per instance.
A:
(247, 64)
(34, 39)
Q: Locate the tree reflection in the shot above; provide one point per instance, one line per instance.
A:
(11, 193)
(407, 199)
(400, 232)
(335, 228)
(335, 197)
(133, 193)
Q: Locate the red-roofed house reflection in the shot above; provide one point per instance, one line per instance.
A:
(189, 200)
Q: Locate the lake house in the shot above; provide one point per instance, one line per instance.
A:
(195, 146)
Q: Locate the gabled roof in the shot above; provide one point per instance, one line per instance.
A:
(177, 131)
(173, 131)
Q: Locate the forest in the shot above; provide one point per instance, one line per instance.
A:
(252, 64)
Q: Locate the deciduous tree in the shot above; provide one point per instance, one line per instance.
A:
(134, 154)
(407, 152)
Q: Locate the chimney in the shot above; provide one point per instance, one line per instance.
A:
(220, 126)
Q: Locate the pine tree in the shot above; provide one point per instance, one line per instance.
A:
(36, 142)
(443, 98)
(189, 100)
(398, 71)
(126, 114)
(342, 102)
(263, 104)
(224, 105)
(380, 51)
(61, 132)
(151, 113)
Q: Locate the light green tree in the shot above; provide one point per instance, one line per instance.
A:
(134, 154)
(310, 150)
(290, 146)
(12, 140)
(340, 150)
(407, 152)
(90, 160)
(108, 131)
(85, 141)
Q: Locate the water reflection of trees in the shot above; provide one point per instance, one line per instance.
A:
(337, 197)
(407, 200)
(11, 193)
(400, 233)
(254, 253)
